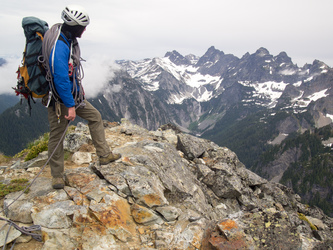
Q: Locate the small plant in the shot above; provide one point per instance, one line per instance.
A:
(71, 129)
(21, 154)
(303, 218)
(14, 186)
(67, 155)
(4, 158)
(34, 148)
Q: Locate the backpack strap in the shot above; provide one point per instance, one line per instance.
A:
(70, 63)
(54, 47)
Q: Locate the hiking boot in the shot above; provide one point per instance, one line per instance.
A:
(58, 183)
(110, 158)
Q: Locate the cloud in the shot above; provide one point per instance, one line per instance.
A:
(138, 29)
(98, 71)
(8, 76)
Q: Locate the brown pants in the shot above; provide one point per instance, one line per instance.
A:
(96, 128)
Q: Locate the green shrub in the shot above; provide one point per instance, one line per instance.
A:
(34, 148)
(14, 186)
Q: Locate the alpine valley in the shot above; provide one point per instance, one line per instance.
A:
(276, 116)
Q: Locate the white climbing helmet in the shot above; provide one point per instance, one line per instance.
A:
(75, 15)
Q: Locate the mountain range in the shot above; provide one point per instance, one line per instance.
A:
(249, 104)
(213, 83)
(211, 94)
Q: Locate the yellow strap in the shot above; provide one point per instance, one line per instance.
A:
(40, 35)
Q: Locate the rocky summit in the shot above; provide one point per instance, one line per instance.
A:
(169, 190)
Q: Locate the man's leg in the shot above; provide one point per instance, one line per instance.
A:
(96, 128)
(55, 146)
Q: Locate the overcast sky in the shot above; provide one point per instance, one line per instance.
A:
(138, 29)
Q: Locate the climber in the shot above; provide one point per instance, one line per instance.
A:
(66, 99)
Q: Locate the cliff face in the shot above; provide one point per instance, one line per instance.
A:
(168, 191)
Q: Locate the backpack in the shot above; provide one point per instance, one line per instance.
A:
(31, 75)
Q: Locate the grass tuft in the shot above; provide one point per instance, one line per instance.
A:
(15, 185)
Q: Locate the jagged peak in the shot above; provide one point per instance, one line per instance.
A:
(316, 66)
(282, 57)
(173, 53)
(246, 55)
(320, 64)
(192, 58)
(211, 55)
(212, 51)
(282, 54)
(177, 58)
(262, 52)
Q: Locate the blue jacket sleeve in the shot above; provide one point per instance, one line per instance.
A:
(61, 79)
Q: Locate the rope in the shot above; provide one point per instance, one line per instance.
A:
(24, 230)
(78, 76)
(28, 230)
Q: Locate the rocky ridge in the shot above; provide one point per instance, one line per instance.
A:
(169, 190)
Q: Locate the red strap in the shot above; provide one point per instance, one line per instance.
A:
(70, 69)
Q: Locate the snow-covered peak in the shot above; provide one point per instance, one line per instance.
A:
(149, 72)
(206, 77)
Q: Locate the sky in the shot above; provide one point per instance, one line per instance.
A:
(139, 29)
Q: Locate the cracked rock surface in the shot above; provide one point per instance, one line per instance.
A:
(169, 190)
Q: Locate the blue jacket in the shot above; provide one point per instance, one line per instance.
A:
(62, 82)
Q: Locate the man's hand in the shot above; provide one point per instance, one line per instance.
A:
(71, 114)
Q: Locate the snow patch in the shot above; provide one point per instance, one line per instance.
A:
(270, 91)
(330, 116)
(309, 79)
(188, 75)
(318, 95)
(303, 101)
(297, 84)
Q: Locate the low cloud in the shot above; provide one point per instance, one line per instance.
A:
(8, 76)
(98, 71)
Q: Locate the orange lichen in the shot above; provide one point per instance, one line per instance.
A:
(228, 225)
(117, 215)
(152, 200)
(127, 160)
(140, 214)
